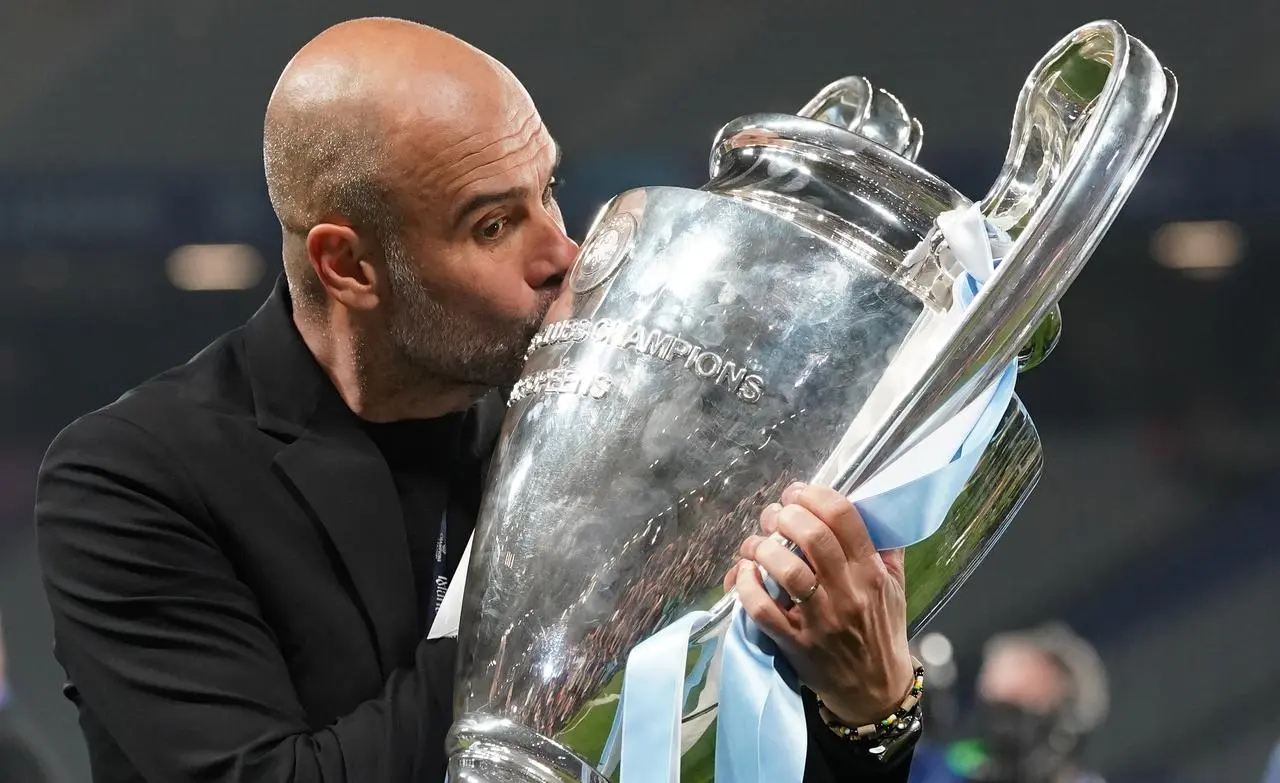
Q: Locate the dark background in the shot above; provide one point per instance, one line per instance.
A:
(129, 129)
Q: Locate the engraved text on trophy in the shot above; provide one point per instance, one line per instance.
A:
(624, 335)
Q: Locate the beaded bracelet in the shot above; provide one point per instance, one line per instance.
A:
(900, 721)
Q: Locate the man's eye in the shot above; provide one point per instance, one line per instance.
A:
(493, 229)
(552, 187)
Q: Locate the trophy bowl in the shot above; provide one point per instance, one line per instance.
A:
(793, 319)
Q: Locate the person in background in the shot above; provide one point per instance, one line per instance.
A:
(19, 761)
(1040, 694)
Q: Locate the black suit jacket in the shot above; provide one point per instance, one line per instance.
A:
(226, 561)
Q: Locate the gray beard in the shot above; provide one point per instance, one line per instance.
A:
(431, 344)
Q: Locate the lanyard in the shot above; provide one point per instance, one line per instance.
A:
(439, 572)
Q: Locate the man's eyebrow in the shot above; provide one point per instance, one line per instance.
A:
(485, 199)
(511, 194)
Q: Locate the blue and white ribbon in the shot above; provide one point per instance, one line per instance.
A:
(653, 692)
(760, 725)
(761, 733)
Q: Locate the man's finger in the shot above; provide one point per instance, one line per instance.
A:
(895, 562)
(748, 548)
(786, 568)
(816, 539)
(840, 516)
(759, 606)
(769, 518)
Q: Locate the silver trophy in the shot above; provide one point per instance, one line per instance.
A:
(791, 320)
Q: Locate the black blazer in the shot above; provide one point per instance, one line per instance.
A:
(226, 562)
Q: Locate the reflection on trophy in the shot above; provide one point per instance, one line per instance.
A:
(791, 320)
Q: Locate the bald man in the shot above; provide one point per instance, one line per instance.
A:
(244, 554)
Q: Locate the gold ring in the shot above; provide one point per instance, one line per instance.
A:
(799, 599)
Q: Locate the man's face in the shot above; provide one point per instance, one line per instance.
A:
(1023, 676)
(484, 250)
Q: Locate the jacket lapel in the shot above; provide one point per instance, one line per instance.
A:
(347, 488)
(337, 474)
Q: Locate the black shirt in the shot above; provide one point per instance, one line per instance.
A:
(437, 476)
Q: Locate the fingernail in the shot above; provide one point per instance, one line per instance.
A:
(769, 518)
(790, 493)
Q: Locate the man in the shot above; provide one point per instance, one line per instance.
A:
(19, 762)
(1041, 693)
(243, 555)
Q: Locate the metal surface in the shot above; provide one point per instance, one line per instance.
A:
(1043, 340)
(854, 104)
(1088, 120)
(712, 346)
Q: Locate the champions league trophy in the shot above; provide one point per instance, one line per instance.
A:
(794, 319)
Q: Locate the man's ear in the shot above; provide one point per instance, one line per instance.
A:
(340, 260)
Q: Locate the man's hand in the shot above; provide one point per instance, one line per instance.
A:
(848, 639)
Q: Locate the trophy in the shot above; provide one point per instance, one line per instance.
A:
(790, 320)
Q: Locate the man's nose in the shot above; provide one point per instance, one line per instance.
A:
(566, 253)
(557, 257)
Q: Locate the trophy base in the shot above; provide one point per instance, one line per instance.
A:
(493, 750)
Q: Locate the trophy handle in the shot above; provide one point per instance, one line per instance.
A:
(1088, 120)
(853, 104)
(876, 114)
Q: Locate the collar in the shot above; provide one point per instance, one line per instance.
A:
(294, 396)
(291, 392)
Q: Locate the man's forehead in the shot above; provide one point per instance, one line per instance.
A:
(456, 138)
(512, 161)
(1017, 660)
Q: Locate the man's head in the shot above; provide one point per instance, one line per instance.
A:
(1048, 670)
(1022, 674)
(1041, 693)
(413, 181)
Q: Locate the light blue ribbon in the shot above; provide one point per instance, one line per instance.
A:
(706, 656)
(760, 726)
(652, 703)
(913, 511)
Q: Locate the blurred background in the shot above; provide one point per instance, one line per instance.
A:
(134, 227)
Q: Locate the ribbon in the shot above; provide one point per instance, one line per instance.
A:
(761, 732)
(760, 727)
(902, 515)
(653, 691)
(908, 500)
